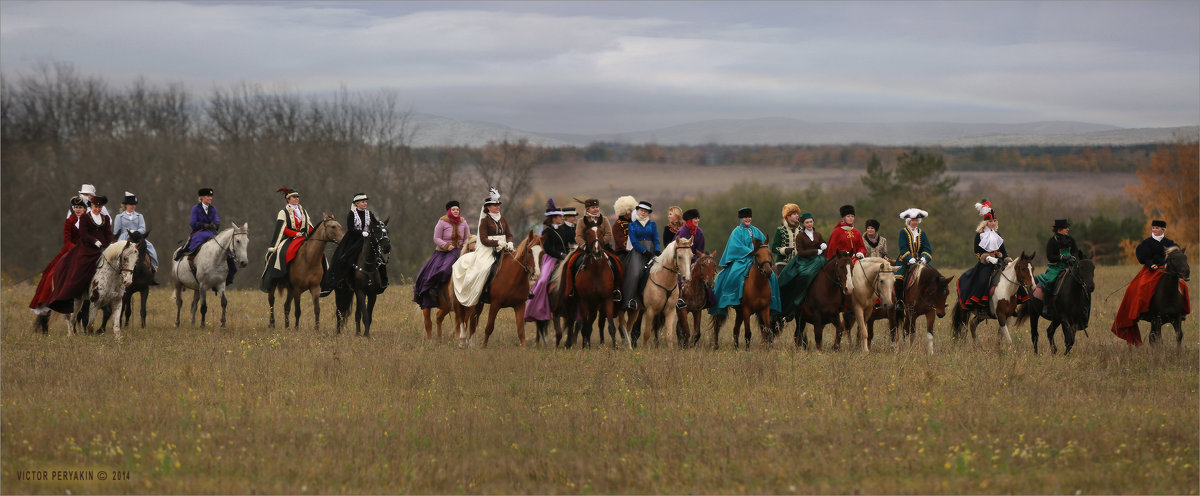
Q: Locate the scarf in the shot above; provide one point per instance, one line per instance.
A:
(359, 224)
(691, 224)
(296, 215)
(643, 221)
(495, 217)
(809, 232)
(1158, 238)
(874, 243)
(990, 240)
(453, 219)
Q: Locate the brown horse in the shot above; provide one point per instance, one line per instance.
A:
(445, 296)
(306, 271)
(662, 289)
(509, 288)
(694, 293)
(756, 298)
(925, 295)
(594, 285)
(1009, 291)
(825, 301)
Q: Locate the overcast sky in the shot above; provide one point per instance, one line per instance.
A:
(591, 67)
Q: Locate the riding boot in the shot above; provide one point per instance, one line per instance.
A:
(191, 258)
(154, 277)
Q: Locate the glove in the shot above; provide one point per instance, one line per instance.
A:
(859, 256)
(1153, 266)
(789, 250)
(911, 260)
(824, 246)
(509, 246)
(98, 243)
(365, 234)
(820, 251)
(1069, 259)
(990, 259)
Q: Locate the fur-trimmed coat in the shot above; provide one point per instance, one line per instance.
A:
(879, 249)
(620, 233)
(785, 238)
(601, 223)
(489, 227)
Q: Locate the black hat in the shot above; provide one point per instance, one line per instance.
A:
(205, 192)
(846, 210)
(745, 212)
(1061, 223)
(873, 223)
(100, 200)
(1158, 223)
(359, 197)
(130, 199)
(493, 197)
(552, 209)
(690, 214)
(452, 203)
(570, 212)
(645, 206)
(77, 202)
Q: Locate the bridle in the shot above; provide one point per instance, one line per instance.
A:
(759, 265)
(878, 276)
(318, 226)
(675, 259)
(228, 248)
(1017, 283)
(121, 256)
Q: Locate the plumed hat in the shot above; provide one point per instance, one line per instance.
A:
(288, 193)
(745, 212)
(493, 197)
(789, 209)
(77, 202)
(1158, 223)
(846, 210)
(914, 213)
(690, 214)
(624, 205)
(985, 210)
(130, 199)
(552, 210)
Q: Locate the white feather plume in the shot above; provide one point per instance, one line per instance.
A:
(913, 213)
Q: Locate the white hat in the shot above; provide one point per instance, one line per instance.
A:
(914, 213)
(87, 189)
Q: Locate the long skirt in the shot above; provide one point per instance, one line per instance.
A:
(974, 284)
(732, 280)
(433, 275)
(795, 279)
(1136, 302)
(538, 308)
(470, 273)
(73, 275)
(45, 287)
(635, 269)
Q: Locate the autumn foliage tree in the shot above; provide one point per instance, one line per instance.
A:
(1169, 189)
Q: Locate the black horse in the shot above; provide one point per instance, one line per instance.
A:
(1074, 305)
(1167, 304)
(365, 284)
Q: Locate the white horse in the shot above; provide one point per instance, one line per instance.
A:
(662, 289)
(114, 272)
(871, 279)
(211, 270)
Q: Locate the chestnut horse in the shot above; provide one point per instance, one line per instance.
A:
(825, 301)
(445, 295)
(694, 293)
(1011, 288)
(661, 294)
(925, 295)
(509, 288)
(756, 298)
(305, 272)
(594, 285)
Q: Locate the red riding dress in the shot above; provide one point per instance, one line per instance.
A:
(79, 264)
(1137, 301)
(41, 296)
(293, 229)
(841, 239)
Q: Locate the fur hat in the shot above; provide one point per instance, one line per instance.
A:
(99, 200)
(590, 202)
(985, 209)
(1158, 223)
(624, 205)
(205, 192)
(77, 202)
(914, 213)
(453, 203)
(846, 210)
(690, 214)
(872, 223)
(745, 212)
(645, 205)
(1061, 224)
(493, 197)
(789, 209)
(570, 212)
(359, 197)
(130, 199)
(552, 210)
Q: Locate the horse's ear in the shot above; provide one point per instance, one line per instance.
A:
(385, 221)
(1032, 255)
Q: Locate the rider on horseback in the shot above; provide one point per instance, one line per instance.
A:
(845, 237)
(592, 218)
(292, 227)
(974, 284)
(342, 265)
(643, 245)
(1152, 254)
(783, 244)
(874, 242)
(914, 246)
(556, 238)
(1061, 253)
(473, 271)
(738, 261)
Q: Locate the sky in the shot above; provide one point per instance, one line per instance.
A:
(599, 67)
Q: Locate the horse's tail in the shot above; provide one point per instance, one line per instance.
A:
(717, 321)
(958, 320)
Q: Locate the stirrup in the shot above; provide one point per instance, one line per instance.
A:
(617, 295)
(680, 304)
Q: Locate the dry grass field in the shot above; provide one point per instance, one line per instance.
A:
(247, 409)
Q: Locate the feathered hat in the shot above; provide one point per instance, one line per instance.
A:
(288, 193)
(914, 213)
(552, 210)
(984, 208)
(625, 205)
(493, 197)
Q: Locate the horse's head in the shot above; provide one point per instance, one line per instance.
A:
(762, 258)
(128, 261)
(885, 285)
(240, 239)
(134, 236)
(379, 233)
(529, 253)
(332, 230)
(683, 257)
(591, 242)
(1085, 272)
(705, 267)
(842, 261)
(1177, 262)
(938, 291)
(1023, 266)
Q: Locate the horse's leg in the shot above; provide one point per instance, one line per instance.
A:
(1068, 338)
(670, 320)
(737, 327)
(195, 304)
(974, 322)
(120, 308)
(145, 293)
(360, 305)
(1155, 330)
(1050, 336)
(460, 324)
(519, 312)
(863, 338)
(648, 316)
(315, 291)
(271, 308)
(764, 325)
(1033, 331)
(224, 302)
(1003, 336)
(428, 324)
(697, 318)
(1178, 322)
(930, 317)
(369, 315)
(441, 315)
(818, 330)
(126, 312)
(203, 307)
(178, 289)
(491, 323)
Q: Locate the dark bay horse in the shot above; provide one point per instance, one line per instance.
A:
(695, 296)
(306, 271)
(1010, 288)
(509, 289)
(925, 295)
(366, 282)
(1167, 304)
(594, 287)
(825, 301)
(756, 298)
(1074, 302)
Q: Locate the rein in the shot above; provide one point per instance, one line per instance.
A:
(1016, 283)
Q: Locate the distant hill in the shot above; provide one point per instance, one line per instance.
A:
(433, 130)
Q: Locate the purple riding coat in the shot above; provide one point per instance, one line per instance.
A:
(204, 226)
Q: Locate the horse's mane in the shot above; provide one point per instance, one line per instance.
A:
(659, 260)
(1172, 249)
(114, 250)
(520, 251)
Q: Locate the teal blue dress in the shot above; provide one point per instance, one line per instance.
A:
(737, 261)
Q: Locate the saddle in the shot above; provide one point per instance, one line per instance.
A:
(487, 283)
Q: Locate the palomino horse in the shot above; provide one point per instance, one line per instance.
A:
(825, 300)
(662, 289)
(756, 298)
(594, 285)
(114, 273)
(364, 285)
(211, 270)
(1013, 285)
(509, 289)
(305, 271)
(1074, 303)
(694, 293)
(872, 281)
(925, 295)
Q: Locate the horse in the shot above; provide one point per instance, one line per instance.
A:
(365, 283)
(594, 285)
(509, 288)
(305, 271)
(1074, 302)
(756, 298)
(1005, 303)
(925, 295)
(694, 293)
(143, 278)
(825, 300)
(114, 273)
(445, 296)
(662, 289)
(1167, 304)
(872, 280)
(211, 270)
